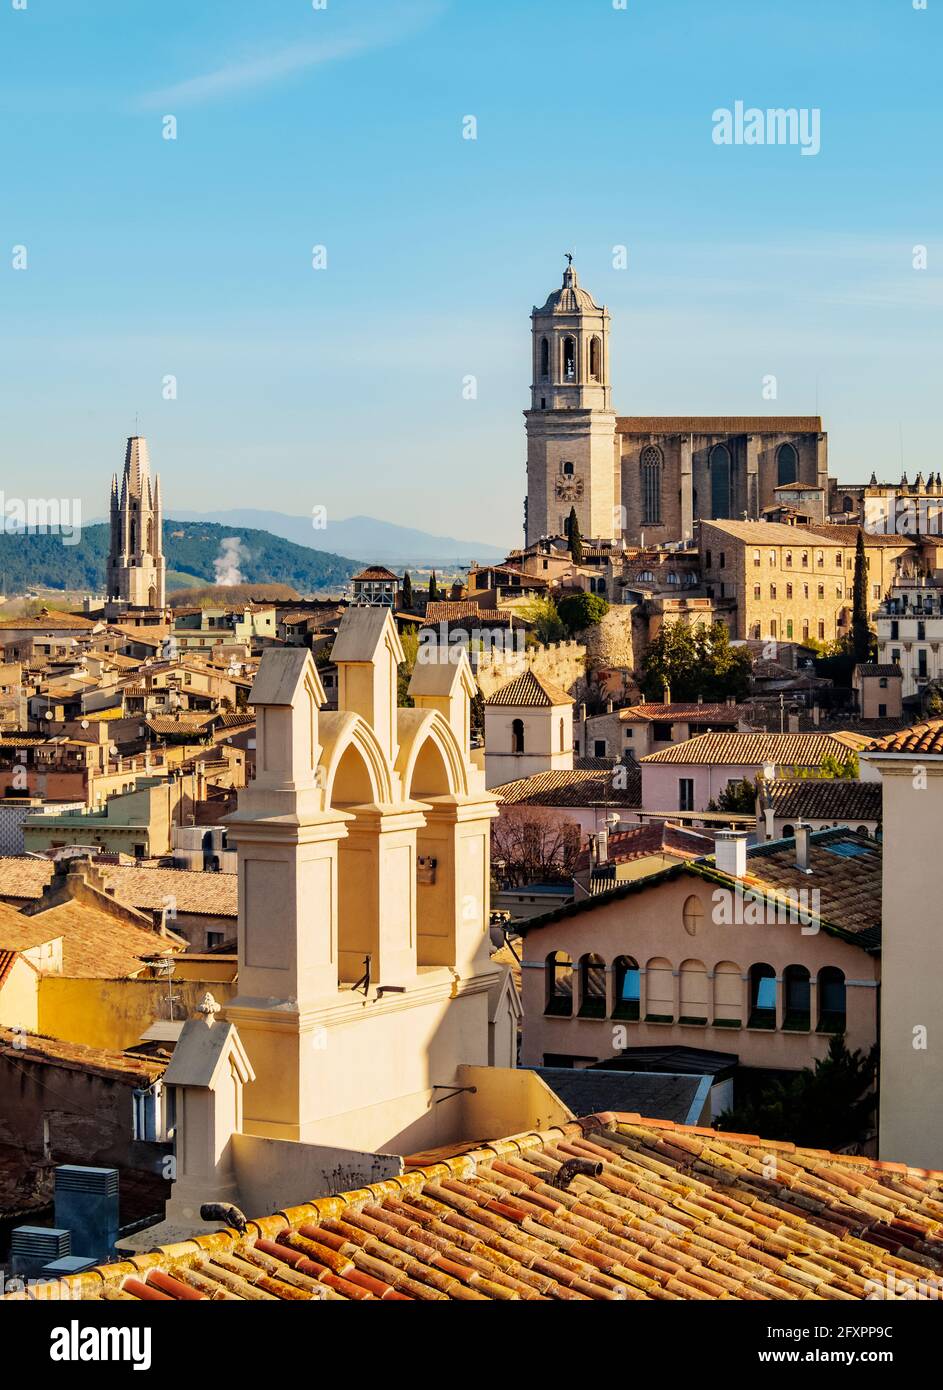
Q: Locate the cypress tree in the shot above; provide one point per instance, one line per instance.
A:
(860, 631)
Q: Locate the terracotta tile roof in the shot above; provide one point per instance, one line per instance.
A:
(746, 750)
(177, 724)
(918, 738)
(876, 668)
(565, 788)
(376, 572)
(95, 944)
(34, 1047)
(456, 610)
(530, 691)
(47, 622)
(719, 424)
(848, 535)
(23, 878)
(656, 837)
(146, 889)
(149, 889)
(846, 875)
(672, 714)
(798, 487)
(824, 798)
(7, 961)
(772, 533)
(659, 1211)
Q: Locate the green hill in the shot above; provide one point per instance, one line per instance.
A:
(191, 547)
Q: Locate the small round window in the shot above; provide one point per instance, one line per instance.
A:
(692, 915)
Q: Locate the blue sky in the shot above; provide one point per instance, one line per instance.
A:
(342, 127)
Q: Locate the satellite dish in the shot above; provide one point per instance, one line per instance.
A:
(84, 723)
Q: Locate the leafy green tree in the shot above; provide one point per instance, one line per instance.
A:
(831, 768)
(409, 637)
(827, 1106)
(695, 661)
(580, 610)
(574, 537)
(739, 797)
(542, 613)
(860, 631)
(407, 591)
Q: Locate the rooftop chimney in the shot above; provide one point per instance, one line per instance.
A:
(802, 848)
(730, 851)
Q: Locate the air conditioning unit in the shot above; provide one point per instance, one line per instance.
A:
(87, 1205)
(34, 1247)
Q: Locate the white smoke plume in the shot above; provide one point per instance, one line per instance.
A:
(231, 554)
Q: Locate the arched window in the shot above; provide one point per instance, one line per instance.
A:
(693, 996)
(651, 463)
(517, 736)
(762, 997)
(628, 988)
(544, 359)
(567, 470)
(787, 465)
(562, 737)
(569, 359)
(595, 359)
(559, 984)
(728, 995)
(720, 469)
(592, 987)
(659, 982)
(847, 504)
(797, 994)
(831, 1000)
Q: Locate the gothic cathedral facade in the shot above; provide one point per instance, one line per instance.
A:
(641, 479)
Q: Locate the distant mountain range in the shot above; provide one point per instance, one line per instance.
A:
(365, 537)
(204, 550)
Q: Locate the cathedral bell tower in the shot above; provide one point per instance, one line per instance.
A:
(136, 567)
(571, 439)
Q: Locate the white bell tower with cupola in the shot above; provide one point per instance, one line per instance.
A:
(572, 458)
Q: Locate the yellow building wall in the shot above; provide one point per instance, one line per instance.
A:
(115, 1013)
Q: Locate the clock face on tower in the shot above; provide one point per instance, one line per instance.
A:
(569, 489)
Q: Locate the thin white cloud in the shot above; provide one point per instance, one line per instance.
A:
(261, 69)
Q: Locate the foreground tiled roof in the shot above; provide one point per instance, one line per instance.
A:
(825, 798)
(530, 691)
(918, 738)
(574, 788)
(660, 1211)
(748, 750)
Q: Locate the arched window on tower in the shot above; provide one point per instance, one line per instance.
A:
(651, 464)
(517, 736)
(595, 359)
(569, 359)
(787, 465)
(567, 470)
(720, 469)
(544, 359)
